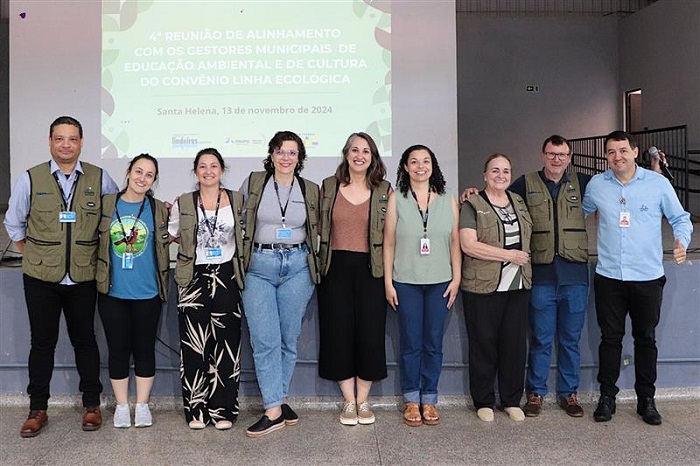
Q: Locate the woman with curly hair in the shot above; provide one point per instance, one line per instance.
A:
(422, 263)
(280, 241)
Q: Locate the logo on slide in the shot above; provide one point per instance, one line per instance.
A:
(184, 141)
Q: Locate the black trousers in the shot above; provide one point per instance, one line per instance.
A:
(45, 302)
(496, 327)
(130, 328)
(352, 320)
(614, 299)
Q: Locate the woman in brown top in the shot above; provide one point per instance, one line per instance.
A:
(352, 310)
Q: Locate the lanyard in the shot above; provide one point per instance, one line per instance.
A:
(128, 238)
(72, 188)
(211, 227)
(424, 218)
(283, 210)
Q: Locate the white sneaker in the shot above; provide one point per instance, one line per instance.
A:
(143, 416)
(348, 416)
(485, 414)
(122, 416)
(515, 413)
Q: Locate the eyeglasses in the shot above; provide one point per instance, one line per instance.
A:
(282, 153)
(559, 155)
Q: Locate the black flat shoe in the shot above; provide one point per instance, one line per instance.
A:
(264, 426)
(290, 417)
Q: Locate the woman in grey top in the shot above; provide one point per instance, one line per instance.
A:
(422, 262)
(280, 263)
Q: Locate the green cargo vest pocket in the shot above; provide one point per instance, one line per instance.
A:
(538, 206)
(47, 255)
(84, 257)
(576, 245)
(89, 210)
(105, 225)
(46, 264)
(44, 260)
(102, 276)
(184, 269)
(44, 215)
(481, 277)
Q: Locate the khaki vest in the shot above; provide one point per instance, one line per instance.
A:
(53, 249)
(482, 276)
(160, 242)
(564, 233)
(309, 189)
(184, 268)
(377, 212)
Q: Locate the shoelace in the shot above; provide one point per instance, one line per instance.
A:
(363, 407)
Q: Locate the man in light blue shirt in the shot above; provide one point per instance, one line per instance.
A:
(629, 278)
(53, 217)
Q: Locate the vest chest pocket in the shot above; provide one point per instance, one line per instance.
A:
(488, 228)
(89, 210)
(44, 215)
(538, 206)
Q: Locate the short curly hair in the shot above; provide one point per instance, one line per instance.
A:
(276, 142)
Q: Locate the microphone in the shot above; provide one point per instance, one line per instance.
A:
(654, 154)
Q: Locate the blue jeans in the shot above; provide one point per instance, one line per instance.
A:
(559, 311)
(278, 288)
(422, 312)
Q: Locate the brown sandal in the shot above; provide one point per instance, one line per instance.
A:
(431, 416)
(411, 415)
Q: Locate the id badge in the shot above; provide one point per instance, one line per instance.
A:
(128, 260)
(67, 216)
(283, 233)
(424, 246)
(212, 253)
(625, 219)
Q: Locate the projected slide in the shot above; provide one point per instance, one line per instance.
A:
(180, 76)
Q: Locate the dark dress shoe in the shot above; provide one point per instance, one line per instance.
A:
(605, 409)
(290, 417)
(92, 418)
(646, 407)
(571, 405)
(265, 426)
(36, 421)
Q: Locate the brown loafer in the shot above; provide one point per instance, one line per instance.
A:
(411, 415)
(36, 421)
(431, 417)
(92, 418)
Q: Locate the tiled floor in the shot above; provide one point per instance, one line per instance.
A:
(551, 439)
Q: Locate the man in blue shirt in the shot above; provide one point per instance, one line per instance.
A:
(52, 217)
(629, 278)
